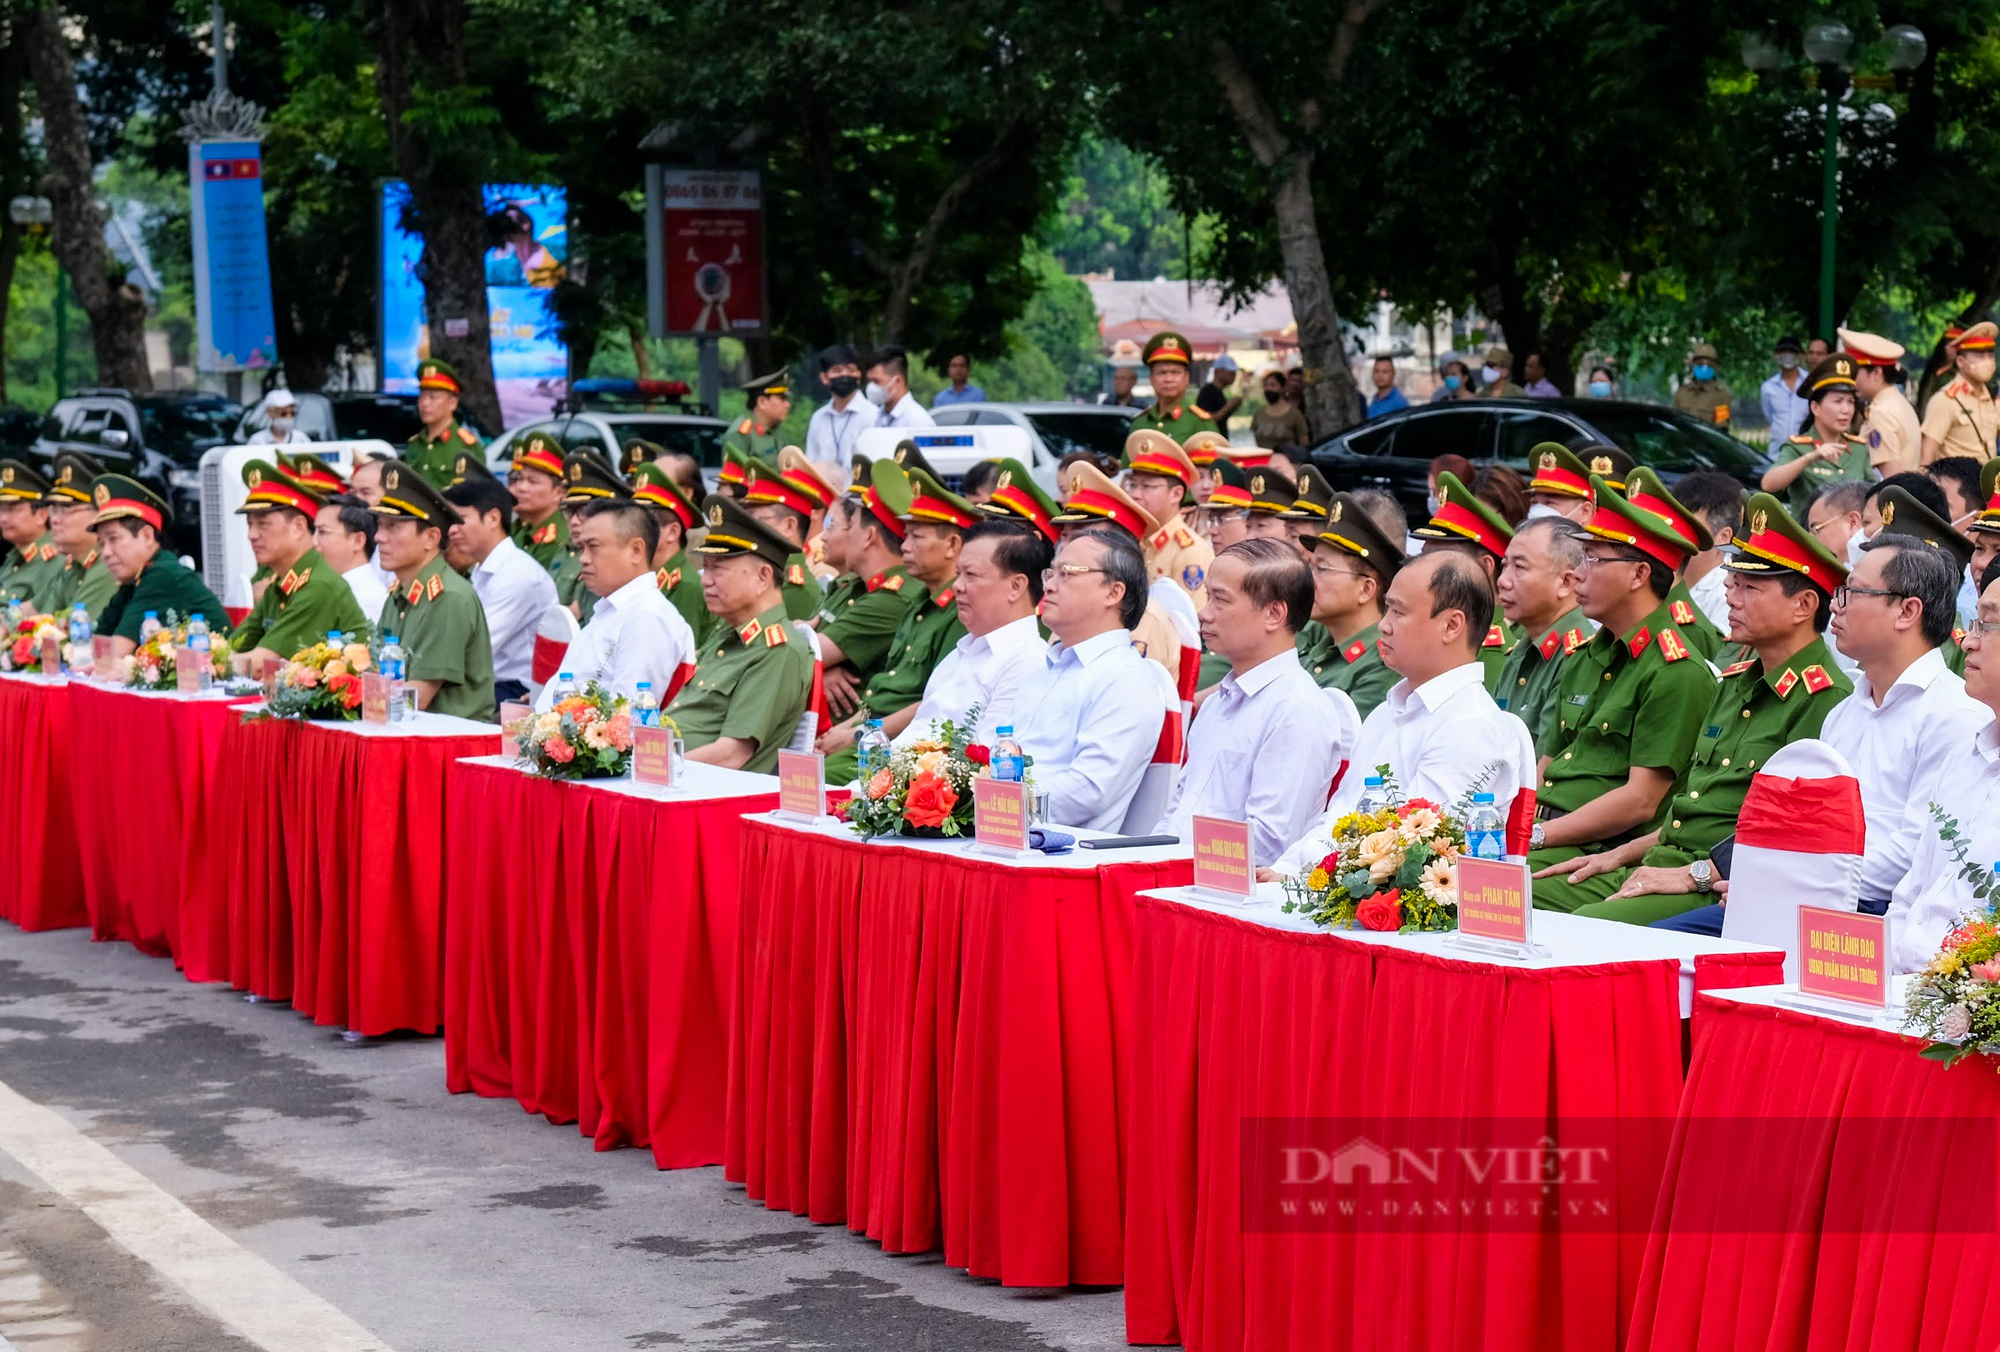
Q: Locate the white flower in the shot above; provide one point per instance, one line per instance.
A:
(1418, 825)
(1956, 1023)
(1440, 879)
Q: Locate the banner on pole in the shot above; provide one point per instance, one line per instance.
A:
(712, 232)
(234, 325)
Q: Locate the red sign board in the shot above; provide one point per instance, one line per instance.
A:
(802, 783)
(1000, 813)
(1842, 955)
(653, 756)
(102, 664)
(1222, 860)
(374, 697)
(712, 232)
(1493, 899)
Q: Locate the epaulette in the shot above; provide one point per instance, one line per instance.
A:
(1682, 612)
(435, 588)
(1786, 683)
(1738, 668)
(1672, 649)
(1496, 637)
(1801, 439)
(545, 536)
(894, 583)
(795, 575)
(774, 637)
(1573, 640)
(744, 427)
(465, 435)
(1817, 679)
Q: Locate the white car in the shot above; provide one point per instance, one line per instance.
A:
(607, 432)
(1054, 429)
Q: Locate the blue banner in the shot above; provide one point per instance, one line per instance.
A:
(235, 329)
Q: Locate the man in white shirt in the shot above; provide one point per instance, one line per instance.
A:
(634, 634)
(513, 589)
(281, 423)
(1091, 717)
(344, 535)
(999, 585)
(835, 426)
(889, 391)
(1438, 731)
(1267, 742)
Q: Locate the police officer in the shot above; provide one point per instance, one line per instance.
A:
(1160, 476)
(786, 496)
(1167, 356)
(129, 521)
(442, 436)
(1309, 509)
(1464, 523)
(770, 399)
(753, 677)
(677, 575)
(1961, 418)
(33, 566)
(1823, 453)
(306, 598)
(537, 479)
(1644, 490)
(1894, 435)
(1353, 562)
(587, 477)
(855, 640)
(1705, 394)
(467, 466)
(1782, 592)
(85, 578)
(1272, 495)
(1017, 495)
(1204, 449)
(433, 612)
(1537, 592)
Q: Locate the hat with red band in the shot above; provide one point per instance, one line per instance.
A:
(1204, 448)
(1645, 490)
(1619, 521)
(315, 473)
(433, 374)
(795, 481)
(1094, 498)
(652, 486)
(1462, 518)
(542, 452)
(1558, 470)
(932, 501)
(1777, 544)
(1016, 495)
(1166, 345)
(1989, 493)
(1156, 453)
(1979, 338)
(1870, 349)
(118, 498)
(272, 487)
(1232, 487)
(1246, 457)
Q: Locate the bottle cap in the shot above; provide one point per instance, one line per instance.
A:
(565, 676)
(1007, 731)
(1371, 781)
(197, 616)
(645, 685)
(1482, 797)
(152, 614)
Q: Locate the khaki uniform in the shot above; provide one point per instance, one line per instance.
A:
(1895, 438)
(750, 684)
(1707, 400)
(1963, 419)
(1176, 552)
(441, 626)
(86, 581)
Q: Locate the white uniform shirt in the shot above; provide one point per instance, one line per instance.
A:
(1711, 598)
(370, 593)
(1896, 750)
(1437, 738)
(1091, 718)
(905, 412)
(1263, 750)
(635, 634)
(831, 435)
(513, 590)
(1927, 902)
(982, 669)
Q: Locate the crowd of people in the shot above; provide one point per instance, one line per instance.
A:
(1630, 652)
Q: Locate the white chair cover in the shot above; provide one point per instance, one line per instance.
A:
(1799, 841)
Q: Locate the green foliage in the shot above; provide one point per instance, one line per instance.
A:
(1117, 216)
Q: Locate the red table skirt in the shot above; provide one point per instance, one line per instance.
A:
(1875, 1251)
(933, 1048)
(42, 887)
(590, 951)
(249, 877)
(1237, 1021)
(146, 788)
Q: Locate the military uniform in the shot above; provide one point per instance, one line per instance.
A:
(795, 483)
(1529, 677)
(750, 438)
(175, 594)
(841, 594)
(681, 581)
(1180, 419)
(300, 607)
(750, 683)
(86, 582)
(865, 629)
(1644, 489)
(929, 629)
(436, 616)
(431, 456)
(1173, 550)
(1890, 426)
(29, 574)
(1355, 666)
(1708, 399)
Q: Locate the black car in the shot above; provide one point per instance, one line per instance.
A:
(1394, 452)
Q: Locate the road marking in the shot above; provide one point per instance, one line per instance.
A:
(252, 1297)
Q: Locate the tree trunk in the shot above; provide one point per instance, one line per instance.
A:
(117, 311)
(1331, 395)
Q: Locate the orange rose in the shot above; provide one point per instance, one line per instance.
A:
(880, 784)
(929, 801)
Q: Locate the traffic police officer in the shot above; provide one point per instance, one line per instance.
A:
(1353, 563)
(306, 597)
(1167, 356)
(1204, 448)
(1161, 477)
(434, 613)
(442, 436)
(1891, 428)
(1464, 523)
(85, 579)
(129, 522)
(756, 434)
(1824, 453)
(1961, 418)
(1705, 395)
(33, 566)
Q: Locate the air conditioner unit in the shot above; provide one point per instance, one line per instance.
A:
(227, 562)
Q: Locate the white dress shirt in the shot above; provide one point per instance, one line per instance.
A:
(905, 412)
(1263, 750)
(513, 590)
(370, 593)
(1437, 738)
(635, 634)
(1927, 902)
(831, 434)
(1091, 718)
(1711, 598)
(1896, 750)
(982, 669)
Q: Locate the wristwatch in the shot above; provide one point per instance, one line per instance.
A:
(1535, 837)
(1703, 873)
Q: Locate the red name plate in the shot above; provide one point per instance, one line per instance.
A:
(101, 662)
(374, 697)
(1842, 955)
(1222, 856)
(187, 671)
(1493, 899)
(802, 783)
(653, 756)
(51, 657)
(1000, 813)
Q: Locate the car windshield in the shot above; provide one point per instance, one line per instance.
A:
(701, 440)
(1663, 441)
(1098, 433)
(387, 420)
(181, 431)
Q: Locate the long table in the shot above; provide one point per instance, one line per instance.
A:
(591, 949)
(932, 1046)
(42, 886)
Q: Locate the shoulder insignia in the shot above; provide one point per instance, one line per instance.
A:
(1496, 637)
(1192, 576)
(1354, 650)
(946, 597)
(1182, 535)
(1547, 647)
(415, 593)
(465, 435)
(1817, 679)
(1682, 612)
(894, 584)
(545, 536)
(1801, 439)
(795, 575)
(774, 637)
(673, 580)
(1573, 640)
(748, 633)
(436, 587)
(1640, 640)
(1958, 635)
(660, 579)
(1139, 646)
(1785, 683)
(1201, 413)
(1738, 668)
(1159, 541)
(290, 583)
(1671, 647)
(744, 427)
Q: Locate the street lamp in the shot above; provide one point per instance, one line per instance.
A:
(37, 215)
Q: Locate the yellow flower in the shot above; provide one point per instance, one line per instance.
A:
(1378, 846)
(356, 656)
(336, 667)
(930, 762)
(1317, 880)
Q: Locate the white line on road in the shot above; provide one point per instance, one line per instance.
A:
(242, 1290)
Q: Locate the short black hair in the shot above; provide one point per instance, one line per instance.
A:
(894, 359)
(1919, 486)
(1017, 548)
(482, 496)
(1275, 571)
(1962, 470)
(1922, 570)
(1793, 583)
(839, 354)
(355, 518)
(1846, 495)
(1990, 576)
(1123, 563)
(979, 478)
(1456, 584)
(632, 520)
(1659, 577)
(1715, 497)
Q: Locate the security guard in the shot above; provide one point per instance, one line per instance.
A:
(1779, 695)
(1628, 703)
(1531, 584)
(1644, 490)
(1309, 509)
(537, 479)
(1353, 563)
(1961, 418)
(1464, 523)
(1824, 453)
(85, 578)
(306, 597)
(1168, 356)
(33, 566)
(1705, 394)
(770, 399)
(1160, 476)
(434, 613)
(1891, 428)
(442, 436)
(753, 677)
(787, 496)
(129, 521)
(677, 575)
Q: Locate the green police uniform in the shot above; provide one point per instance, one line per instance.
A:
(796, 484)
(1347, 535)
(750, 437)
(654, 488)
(1644, 489)
(841, 594)
(86, 582)
(865, 629)
(1462, 520)
(32, 575)
(547, 541)
(1180, 419)
(1851, 466)
(432, 456)
(299, 608)
(1355, 666)
(1533, 670)
(681, 581)
(930, 628)
(436, 616)
(587, 478)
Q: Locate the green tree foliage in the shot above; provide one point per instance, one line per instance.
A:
(1117, 215)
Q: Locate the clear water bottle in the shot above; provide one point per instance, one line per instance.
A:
(392, 665)
(79, 633)
(149, 626)
(645, 708)
(1485, 830)
(1374, 798)
(1007, 762)
(335, 639)
(872, 751)
(564, 688)
(197, 641)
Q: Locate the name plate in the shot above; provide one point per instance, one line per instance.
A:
(802, 784)
(187, 671)
(653, 756)
(1000, 814)
(51, 657)
(1494, 900)
(374, 697)
(511, 712)
(1222, 860)
(102, 664)
(1843, 956)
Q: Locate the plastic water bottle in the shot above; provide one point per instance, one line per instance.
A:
(392, 672)
(565, 687)
(1485, 832)
(1007, 762)
(13, 613)
(149, 626)
(79, 632)
(872, 751)
(335, 639)
(1374, 798)
(645, 708)
(197, 641)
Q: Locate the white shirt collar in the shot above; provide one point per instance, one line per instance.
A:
(1917, 677)
(1438, 689)
(362, 567)
(496, 558)
(1253, 681)
(631, 594)
(1006, 636)
(1092, 648)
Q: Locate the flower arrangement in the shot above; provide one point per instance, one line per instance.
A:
(1392, 869)
(585, 736)
(321, 682)
(926, 788)
(1955, 1001)
(23, 651)
(153, 665)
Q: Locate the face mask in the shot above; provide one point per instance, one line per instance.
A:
(1452, 382)
(1431, 503)
(1855, 542)
(1489, 374)
(1600, 389)
(1539, 509)
(1788, 361)
(1979, 369)
(1703, 371)
(876, 394)
(843, 386)
(282, 427)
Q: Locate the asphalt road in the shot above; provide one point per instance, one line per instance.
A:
(182, 1170)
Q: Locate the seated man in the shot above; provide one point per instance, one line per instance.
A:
(1000, 571)
(1781, 585)
(854, 642)
(634, 634)
(1091, 717)
(1561, 486)
(306, 597)
(675, 514)
(513, 589)
(1462, 523)
(86, 579)
(1716, 498)
(1537, 587)
(129, 520)
(786, 497)
(344, 535)
(1354, 559)
(1095, 501)
(433, 612)
(1267, 743)
(29, 573)
(1438, 731)
(1643, 489)
(1308, 511)
(754, 678)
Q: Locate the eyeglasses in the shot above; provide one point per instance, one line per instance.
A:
(1844, 593)
(1328, 570)
(1592, 560)
(1982, 628)
(1063, 570)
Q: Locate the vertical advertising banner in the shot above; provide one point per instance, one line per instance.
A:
(530, 363)
(234, 326)
(713, 238)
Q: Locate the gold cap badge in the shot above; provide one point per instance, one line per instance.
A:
(1758, 521)
(256, 477)
(1548, 460)
(102, 494)
(1333, 513)
(1600, 464)
(1888, 513)
(1256, 483)
(715, 515)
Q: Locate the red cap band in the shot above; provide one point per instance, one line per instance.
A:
(1464, 521)
(1093, 503)
(1023, 504)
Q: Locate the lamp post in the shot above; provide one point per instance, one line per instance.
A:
(36, 215)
